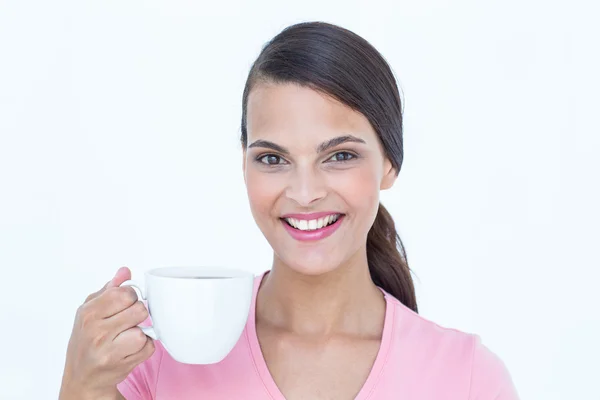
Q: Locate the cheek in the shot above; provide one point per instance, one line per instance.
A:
(263, 192)
(359, 187)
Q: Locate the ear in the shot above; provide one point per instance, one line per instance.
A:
(389, 175)
(244, 165)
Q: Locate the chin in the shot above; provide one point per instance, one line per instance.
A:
(311, 264)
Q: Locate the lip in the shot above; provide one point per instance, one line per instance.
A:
(310, 216)
(316, 234)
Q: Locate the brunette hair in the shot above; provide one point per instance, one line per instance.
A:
(343, 65)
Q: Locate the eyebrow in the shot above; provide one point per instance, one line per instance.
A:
(326, 145)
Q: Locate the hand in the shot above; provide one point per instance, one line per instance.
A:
(105, 344)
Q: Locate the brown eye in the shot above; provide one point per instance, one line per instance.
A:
(342, 156)
(270, 159)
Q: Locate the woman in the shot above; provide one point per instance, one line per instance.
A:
(336, 315)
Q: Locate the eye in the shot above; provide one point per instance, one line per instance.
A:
(342, 156)
(270, 159)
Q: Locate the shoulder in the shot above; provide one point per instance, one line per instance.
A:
(453, 352)
(419, 331)
(490, 377)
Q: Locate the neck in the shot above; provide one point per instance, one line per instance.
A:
(343, 301)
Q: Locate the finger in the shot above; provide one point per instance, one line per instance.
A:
(142, 355)
(122, 275)
(121, 272)
(98, 293)
(130, 342)
(128, 318)
(112, 301)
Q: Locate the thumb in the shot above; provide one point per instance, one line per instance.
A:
(122, 275)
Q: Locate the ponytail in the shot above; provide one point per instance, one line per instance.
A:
(387, 260)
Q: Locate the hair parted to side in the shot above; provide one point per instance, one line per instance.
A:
(343, 65)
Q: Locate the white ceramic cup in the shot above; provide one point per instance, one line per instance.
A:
(198, 313)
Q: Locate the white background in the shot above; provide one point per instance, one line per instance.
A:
(119, 129)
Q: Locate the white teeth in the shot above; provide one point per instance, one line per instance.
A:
(303, 225)
(320, 223)
(311, 225)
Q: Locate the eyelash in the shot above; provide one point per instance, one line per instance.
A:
(262, 156)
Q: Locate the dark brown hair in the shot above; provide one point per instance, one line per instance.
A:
(343, 65)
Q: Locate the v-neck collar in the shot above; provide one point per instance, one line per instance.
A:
(266, 377)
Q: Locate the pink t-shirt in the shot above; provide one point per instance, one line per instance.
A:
(417, 360)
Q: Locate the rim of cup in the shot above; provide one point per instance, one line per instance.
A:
(184, 271)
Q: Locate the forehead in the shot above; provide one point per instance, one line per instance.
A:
(289, 112)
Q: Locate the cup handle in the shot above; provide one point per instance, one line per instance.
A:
(148, 330)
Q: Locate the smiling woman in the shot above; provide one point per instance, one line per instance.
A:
(306, 152)
(335, 317)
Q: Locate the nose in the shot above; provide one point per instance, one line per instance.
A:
(306, 186)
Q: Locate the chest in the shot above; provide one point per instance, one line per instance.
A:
(319, 369)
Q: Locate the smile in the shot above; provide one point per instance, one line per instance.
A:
(312, 226)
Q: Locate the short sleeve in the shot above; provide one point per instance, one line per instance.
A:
(490, 379)
(141, 382)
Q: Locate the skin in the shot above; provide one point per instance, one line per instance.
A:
(105, 344)
(319, 316)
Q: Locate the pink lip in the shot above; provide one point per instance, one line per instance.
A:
(316, 215)
(316, 234)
